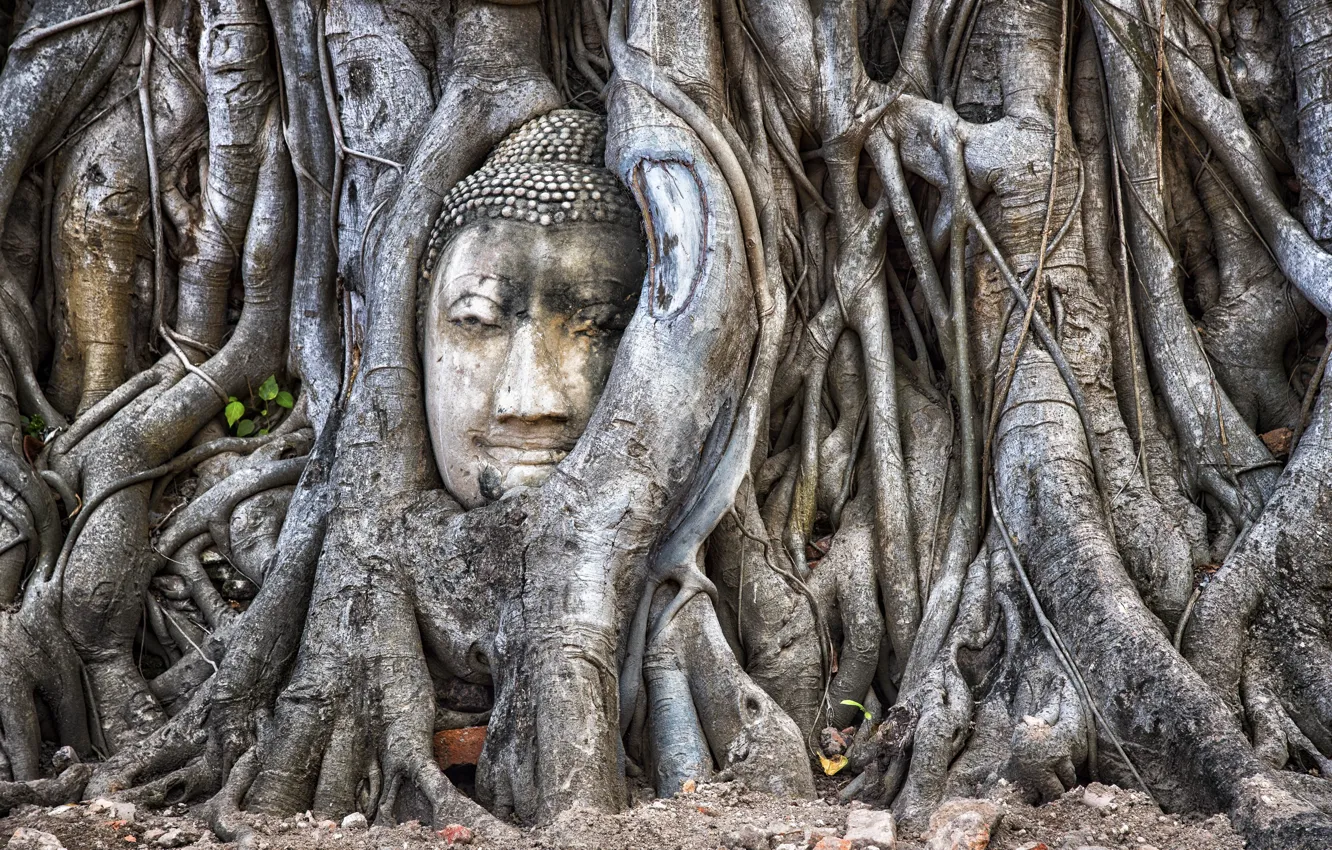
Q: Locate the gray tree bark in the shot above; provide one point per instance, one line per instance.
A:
(976, 375)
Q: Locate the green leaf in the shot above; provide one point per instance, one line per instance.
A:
(245, 428)
(263, 431)
(232, 398)
(268, 390)
(235, 410)
(264, 413)
(862, 708)
(284, 399)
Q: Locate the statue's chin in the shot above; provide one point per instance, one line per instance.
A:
(527, 475)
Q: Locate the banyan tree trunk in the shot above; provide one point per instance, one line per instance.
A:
(975, 376)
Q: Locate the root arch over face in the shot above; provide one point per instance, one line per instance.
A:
(974, 382)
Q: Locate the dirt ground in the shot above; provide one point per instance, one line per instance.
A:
(724, 815)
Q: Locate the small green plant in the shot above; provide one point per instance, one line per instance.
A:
(862, 708)
(254, 418)
(34, 426)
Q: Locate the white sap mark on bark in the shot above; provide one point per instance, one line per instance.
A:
(676, 215)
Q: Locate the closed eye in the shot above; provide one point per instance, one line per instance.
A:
(475, 311)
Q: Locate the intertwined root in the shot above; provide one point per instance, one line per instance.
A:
(39, 673)
(930, 404)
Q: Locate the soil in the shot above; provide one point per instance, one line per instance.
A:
(714, 816)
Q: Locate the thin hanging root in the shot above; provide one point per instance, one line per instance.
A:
(1061, 652)
(16, 474)
(19, 540)
(335, 124)
(1310, 395)
(804, 495)
(190, 367)
(212, 509)
(67, 495)
(12, 340)
(150, 149)
(192, 458)
(1001, 395)
(960, 373)
(186, 564)
(888, 163)
(28, 39)
(692, 582)
(103, 410)
(1043, 333)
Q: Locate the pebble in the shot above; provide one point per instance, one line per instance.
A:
(176, 838)
(749, 838)
(112, 809)
(963, 825)
(33, 839)
(355, 820)
(868, 827)
(832, 742)
(63, 758)
(455, 833)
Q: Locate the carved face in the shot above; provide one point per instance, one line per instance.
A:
(521, 329)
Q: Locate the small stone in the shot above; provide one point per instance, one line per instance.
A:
(833, 843)
(153, 834)
(1097, 799)
(62, 811)
(355, 820)
(63, 758)
(963, 825)
(870, 827)
(33, 839)
(749, 838)
(832, 742)
(112, 809)
(689, 786)
(176, 838)
(455, 833)
(1278, 441)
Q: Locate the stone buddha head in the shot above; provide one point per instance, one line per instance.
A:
(533, 271)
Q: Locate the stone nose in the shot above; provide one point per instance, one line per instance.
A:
(530, 387)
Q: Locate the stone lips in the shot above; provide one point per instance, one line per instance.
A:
(549, 171)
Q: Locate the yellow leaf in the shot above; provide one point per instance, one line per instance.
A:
(832, 765)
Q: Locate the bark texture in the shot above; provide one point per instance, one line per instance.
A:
(975, 380)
